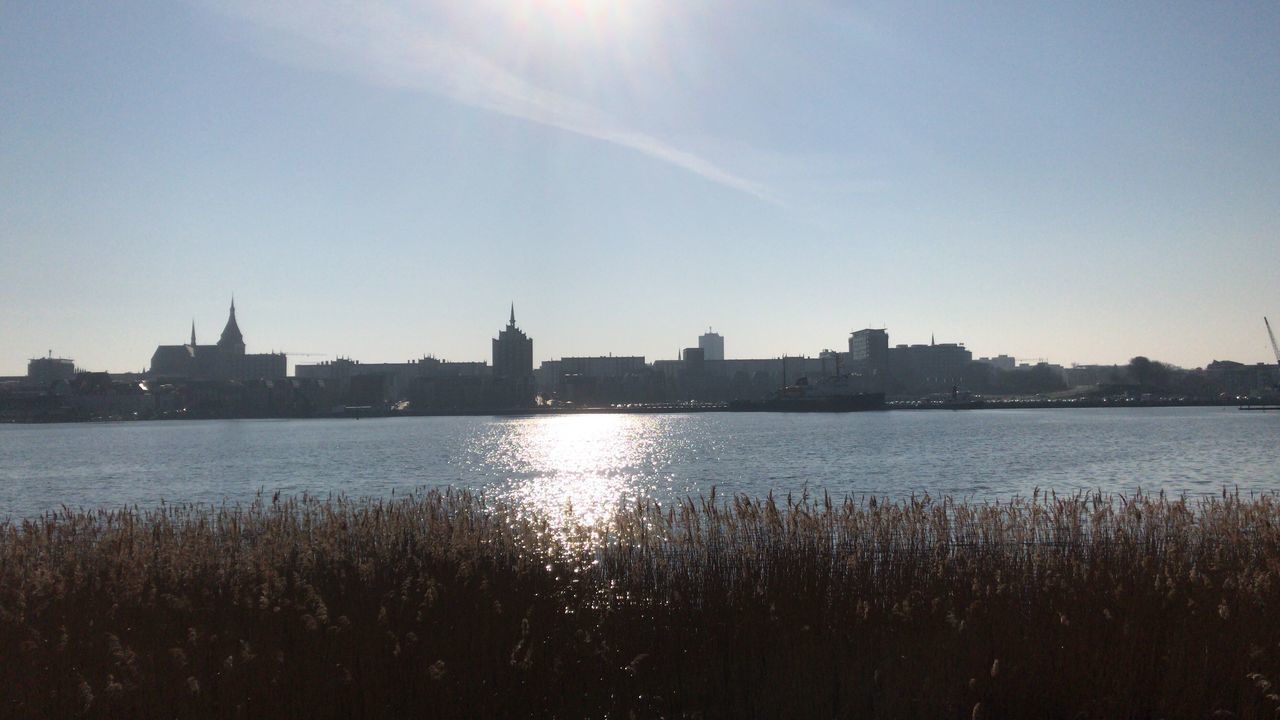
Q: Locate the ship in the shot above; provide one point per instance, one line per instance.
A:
(828, 394)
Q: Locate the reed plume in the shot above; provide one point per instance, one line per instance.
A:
(448, 604)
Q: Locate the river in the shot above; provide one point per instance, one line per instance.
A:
(591, 462)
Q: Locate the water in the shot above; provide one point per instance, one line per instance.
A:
(590, 462)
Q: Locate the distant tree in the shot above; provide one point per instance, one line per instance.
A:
(1148, 373)
(1030, 381)
(1193, 384)
(977, 377)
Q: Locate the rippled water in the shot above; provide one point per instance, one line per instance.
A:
(590, 462)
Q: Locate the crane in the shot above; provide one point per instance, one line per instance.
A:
(1274, 348)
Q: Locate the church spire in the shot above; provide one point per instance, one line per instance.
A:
(513, 315)
(193, 332)
(231, 338)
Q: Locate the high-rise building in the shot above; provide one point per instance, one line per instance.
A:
(712, 345)
(869, 350)
(512, 351)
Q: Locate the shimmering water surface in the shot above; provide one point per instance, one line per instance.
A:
(591, 462)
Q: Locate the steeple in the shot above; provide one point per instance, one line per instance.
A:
(193, 332)
(512, 323)
(231, 339)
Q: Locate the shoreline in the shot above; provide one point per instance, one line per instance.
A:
(676, 409)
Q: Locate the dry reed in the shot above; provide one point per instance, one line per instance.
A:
(447, 605)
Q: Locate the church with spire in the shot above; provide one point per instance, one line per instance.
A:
(226, 360)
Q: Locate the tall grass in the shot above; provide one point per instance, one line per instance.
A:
(445, 604)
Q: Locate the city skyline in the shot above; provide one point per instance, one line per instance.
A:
(231, 334)
(1084, 183)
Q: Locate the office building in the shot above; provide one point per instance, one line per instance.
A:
(869, 351)
(712, 345)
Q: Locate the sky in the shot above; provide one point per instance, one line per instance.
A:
(1080, 182)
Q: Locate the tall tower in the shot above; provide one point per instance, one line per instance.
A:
(712, 345)
(512, 367)
(232, 341)
(512, 351)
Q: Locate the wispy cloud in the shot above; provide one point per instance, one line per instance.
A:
(387, 46)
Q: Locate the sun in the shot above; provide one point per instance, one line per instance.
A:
(602, 21)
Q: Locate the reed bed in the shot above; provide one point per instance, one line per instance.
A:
(447, 604)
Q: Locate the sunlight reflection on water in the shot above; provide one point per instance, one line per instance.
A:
(583, 466)
(575, 471)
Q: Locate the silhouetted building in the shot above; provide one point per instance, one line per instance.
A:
(512, 366)
(399, 379)
(512, 351)
(833, 363)
(601, 379)
(929, 367)
(737, 379)
(1000, 362)
(869, 351)
(48, 370)
(226, 360)
(1239, 379)
(712, 345)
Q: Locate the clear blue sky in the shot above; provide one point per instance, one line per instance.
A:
(1083, 182)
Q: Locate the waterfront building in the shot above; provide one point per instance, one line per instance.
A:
(227, 360)
(432, 385)
(712, 345)
(833, 363)
(512, 351)
(513, 384)
(936, 366)
(552, 372)
(1236, 378)
(869, 351)
(694, 374)
(736, 379)
(48, 370)
(1000, 362)
(385, 382)
(601, 379)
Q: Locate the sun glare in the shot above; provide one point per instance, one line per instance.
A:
(599, 21)
(577, 468)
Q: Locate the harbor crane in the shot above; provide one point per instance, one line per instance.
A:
(1274, 348)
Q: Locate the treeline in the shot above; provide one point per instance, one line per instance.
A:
(1139, 376)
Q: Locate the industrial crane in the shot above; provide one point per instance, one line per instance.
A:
(1274, 348)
